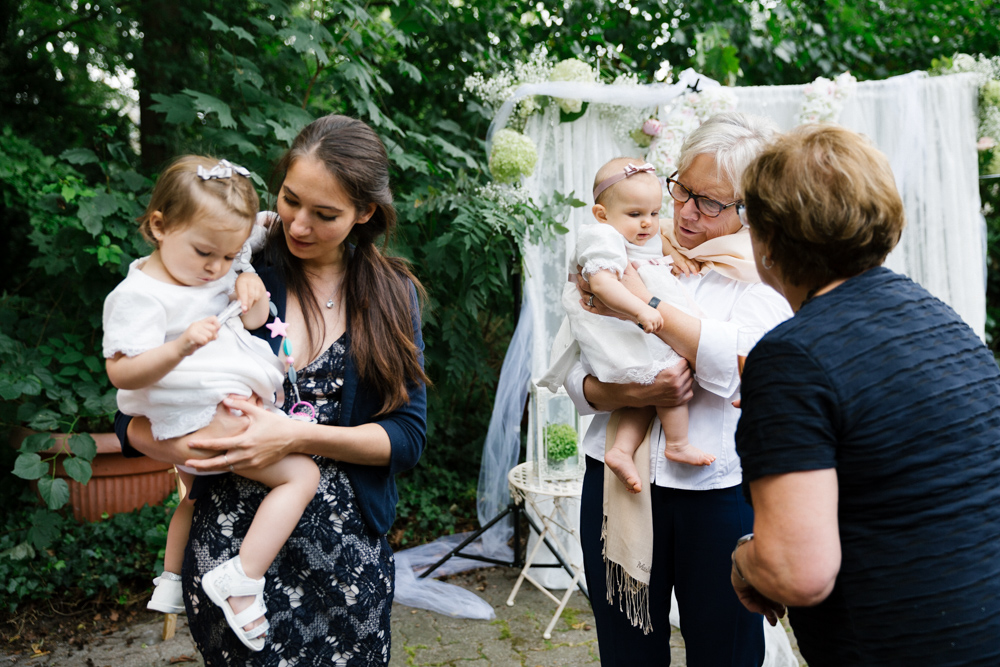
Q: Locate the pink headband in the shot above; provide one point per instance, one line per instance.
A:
(629, 170)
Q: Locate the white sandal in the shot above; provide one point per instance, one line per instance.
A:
(228, 580)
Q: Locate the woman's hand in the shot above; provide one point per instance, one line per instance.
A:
(670, 388)
(265, 437)
(756, 602)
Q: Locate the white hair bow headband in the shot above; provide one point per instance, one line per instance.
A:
(629, 170)
(224, 169)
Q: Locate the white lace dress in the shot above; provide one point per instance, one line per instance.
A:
(618, 350)
(143, 313)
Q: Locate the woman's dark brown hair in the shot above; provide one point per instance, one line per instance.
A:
(376, 287)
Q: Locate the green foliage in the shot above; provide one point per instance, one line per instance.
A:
(43, 555)
(560, 442)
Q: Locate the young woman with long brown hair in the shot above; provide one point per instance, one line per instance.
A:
(353, 326)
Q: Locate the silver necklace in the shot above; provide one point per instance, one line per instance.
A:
(330, 302)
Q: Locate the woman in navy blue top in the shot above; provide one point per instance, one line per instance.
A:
(870, 433)
(353, 322)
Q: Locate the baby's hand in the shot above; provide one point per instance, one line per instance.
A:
(684, 266)
(249, 290)
(198, 335)
(650, 319)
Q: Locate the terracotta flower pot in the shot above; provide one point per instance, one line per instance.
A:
(117, 484)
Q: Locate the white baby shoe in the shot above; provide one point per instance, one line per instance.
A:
(167, 596)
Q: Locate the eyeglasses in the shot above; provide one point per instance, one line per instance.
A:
(705, 205)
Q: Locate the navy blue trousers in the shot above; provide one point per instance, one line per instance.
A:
(694, 533)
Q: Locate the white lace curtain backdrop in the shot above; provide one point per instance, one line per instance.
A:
(925, 125)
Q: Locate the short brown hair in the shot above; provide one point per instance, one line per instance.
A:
(823, 201)
(179, 194)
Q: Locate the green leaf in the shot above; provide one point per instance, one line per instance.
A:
(209, 104)
(78, 469)
(179, 108)
(83, 445)
(55, 492)
(455, 151)
(37, 442)
(79, 156)
(565, 117)
(44, 420)
(133, 180)
(217, 23)
(282, 133)
(94, 209)
(45, 528)
(410, 70)
(243, 34)
(237, 139)
(30, 466)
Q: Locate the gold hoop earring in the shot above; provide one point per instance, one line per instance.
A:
(765, 264)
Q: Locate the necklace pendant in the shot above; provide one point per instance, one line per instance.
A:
(329, 303)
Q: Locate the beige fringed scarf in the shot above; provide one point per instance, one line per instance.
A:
(731, 255)
(627, 528)
(627, 533)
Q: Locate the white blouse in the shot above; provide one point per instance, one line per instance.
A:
(726, 306)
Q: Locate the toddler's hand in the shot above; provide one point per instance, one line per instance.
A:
(249, 290)
(198, 335)
(684, 266)
(650, 319)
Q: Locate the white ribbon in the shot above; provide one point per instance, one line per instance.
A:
(224, 169)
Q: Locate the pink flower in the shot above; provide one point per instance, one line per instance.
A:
(651, 127)
(984, 143)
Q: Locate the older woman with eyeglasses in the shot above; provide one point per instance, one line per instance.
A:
(697, 511)
(870, 434)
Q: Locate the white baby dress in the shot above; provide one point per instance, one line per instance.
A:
(143, 313)
(618, 350)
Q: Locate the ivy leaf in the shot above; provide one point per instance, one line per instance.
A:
(55, 492)
(78, 469)
(178, 108)
(83, 446)
(94, 209)
(45, 528)
(37, 442)
(30, 466)
(79, 156)
(217, 23)
(209, 104)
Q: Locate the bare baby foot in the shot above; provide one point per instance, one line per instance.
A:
(622, 465)
(685, 452)
(241, 602)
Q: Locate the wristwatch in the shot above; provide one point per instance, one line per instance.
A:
(654, 302)
(740, 542)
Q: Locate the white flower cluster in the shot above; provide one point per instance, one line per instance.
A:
(513, 155)
(987, 71)
(507, 197)
(497, 89)
(685, 115)
(824, 99)
(572, 69)
(625, 119)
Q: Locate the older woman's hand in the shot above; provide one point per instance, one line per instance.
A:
(264, 438)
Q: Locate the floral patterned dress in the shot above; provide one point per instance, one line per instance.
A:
(329, 591)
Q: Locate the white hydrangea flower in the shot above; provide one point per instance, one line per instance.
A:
(513, 155)
(823, 99)
(572, 69)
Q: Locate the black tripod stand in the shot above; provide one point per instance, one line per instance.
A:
(517, 510)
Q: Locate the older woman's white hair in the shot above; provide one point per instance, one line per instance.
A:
(734, 139)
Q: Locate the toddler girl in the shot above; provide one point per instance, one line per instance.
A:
(175, 351)
(627, 202)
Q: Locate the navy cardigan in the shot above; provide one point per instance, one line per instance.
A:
(374, 486)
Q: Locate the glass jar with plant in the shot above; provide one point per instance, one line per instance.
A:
(562, 454)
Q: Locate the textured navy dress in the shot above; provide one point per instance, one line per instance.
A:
(329, 591)
(884, 383)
